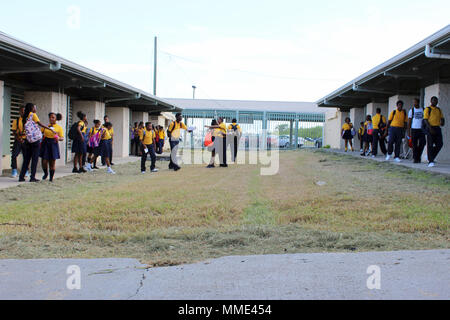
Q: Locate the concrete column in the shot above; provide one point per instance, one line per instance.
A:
(334, 119)
(138, 117)
(47, 102)
(373, 106)
(120, 118)
(408, 100)
(94, 110)
(357, 116)
(442, 92)
(2, 130)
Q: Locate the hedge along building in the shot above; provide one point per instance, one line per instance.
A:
(422, 71)
(296, 121)
(29, 74)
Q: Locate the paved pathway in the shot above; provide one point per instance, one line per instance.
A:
(6, 181)
(403, 275)
(441, 168)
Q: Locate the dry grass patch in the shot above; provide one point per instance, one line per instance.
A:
(197, 214)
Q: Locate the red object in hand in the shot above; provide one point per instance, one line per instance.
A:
(410, 143)
(208, 139)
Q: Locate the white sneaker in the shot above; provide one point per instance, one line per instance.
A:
(143, 172)
(431, 165)
(110, 170)
(388, 157)
(373, 156)
(155, 170)
(397, 160)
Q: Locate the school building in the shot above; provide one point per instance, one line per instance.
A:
(283, 121)
(29, 74)
(422, 71)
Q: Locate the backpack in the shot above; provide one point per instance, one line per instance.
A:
(382, 124)
(370, 129)
(94, 140)
(73, 132)
(32, 130)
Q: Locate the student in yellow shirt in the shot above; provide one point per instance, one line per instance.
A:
(397, 122)
(31, 153)
(346, 133)
(79, 144)
(235, 133)
(103, 149)
(221, 142)
(19, 140)
(161, 138)
(379, 122)
(214, 135)
(434, 120)
(50, 145)
(361, 136)
(368, 135)
(93, 147)
(147, 139)
(110, 141)
(174, 133)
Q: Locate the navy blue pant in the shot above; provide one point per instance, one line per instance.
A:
(418, 141)
(18, 147)
(435, 143)
(151, 152)
(396, 135)
(378, 139)
(31, 154)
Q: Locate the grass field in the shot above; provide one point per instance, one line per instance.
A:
(195, 214)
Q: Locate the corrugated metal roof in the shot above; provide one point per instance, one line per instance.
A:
(247, 105)
(46, 57)
(411, 53)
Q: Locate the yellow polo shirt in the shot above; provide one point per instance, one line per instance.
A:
(176, 131)
(50, 135)
(146, 138)
(399, 120)
(434, 117)
(376, 120)
(347, 126)
(17, 127)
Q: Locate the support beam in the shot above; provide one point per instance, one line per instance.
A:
(359, 88)
(55, 66)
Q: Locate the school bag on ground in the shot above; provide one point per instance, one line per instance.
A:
(32, 130)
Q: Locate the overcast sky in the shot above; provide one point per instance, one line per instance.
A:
(254, 50)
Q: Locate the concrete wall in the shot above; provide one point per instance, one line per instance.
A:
(94, 110)
(2, 130)
(138, 117)
(373, 106)
(408, 100)
(442, 91)
(47, 102)
(334, 120)
(120, 118)
(357, 116)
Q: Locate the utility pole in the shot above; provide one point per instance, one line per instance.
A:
(155, 62)
(193, 92)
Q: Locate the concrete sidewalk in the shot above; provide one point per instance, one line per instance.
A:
(403, 275)
(7, 182)
(440, 168)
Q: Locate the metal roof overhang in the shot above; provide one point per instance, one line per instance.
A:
(406, 73)
(31, 68)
